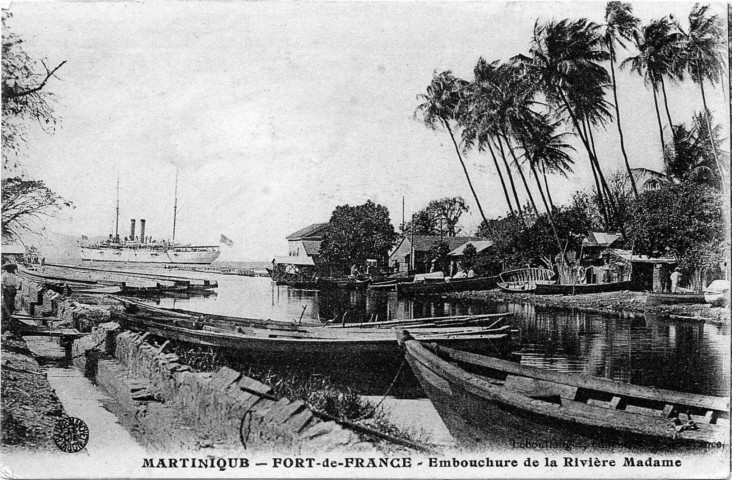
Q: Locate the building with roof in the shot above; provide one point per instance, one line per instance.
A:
(595, 243)
(401, 254)
(12, 253)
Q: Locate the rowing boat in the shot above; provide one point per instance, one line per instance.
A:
(487, 401)
(488, 319)
(524, 280)
(581, 288)
(289, 343)
(452, 286)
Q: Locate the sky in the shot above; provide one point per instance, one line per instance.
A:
(273, 114)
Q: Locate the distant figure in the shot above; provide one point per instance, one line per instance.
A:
(460, 274)
(354, 270)
(471, 273)
(432, 268)
(675, 277)
(10, 285)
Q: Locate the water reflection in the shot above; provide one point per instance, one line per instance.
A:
(684, 356)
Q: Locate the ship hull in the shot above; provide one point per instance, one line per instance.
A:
(198, 257)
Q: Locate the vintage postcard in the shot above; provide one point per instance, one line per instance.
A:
(365, 239)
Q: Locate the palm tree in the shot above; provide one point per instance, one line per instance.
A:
(619, 27)
(694, 158)
(477, 115)
(565, 58)
(658, 56)
(440, 107)
(703, 57)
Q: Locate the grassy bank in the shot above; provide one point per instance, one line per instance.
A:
(623, 303)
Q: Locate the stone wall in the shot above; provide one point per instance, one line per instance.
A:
(220, 406)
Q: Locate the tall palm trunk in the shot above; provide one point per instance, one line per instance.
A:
(665, 104)
(658, 117)
(598, 188)
(601, 176)
(546, 206)
(617, 118)
(500, 176)
(707, 115)
(510, 175)
(523, 177)
(546, 185)
(467, 175)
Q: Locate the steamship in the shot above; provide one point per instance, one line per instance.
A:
(142, 249)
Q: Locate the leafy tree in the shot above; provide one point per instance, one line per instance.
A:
(438, 254)
(24, 100)
(24, 97)
(439, 217)
(682, 220)
(469, 256)
(24, 202)
(356, 234)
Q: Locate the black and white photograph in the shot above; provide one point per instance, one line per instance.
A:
(365, 239)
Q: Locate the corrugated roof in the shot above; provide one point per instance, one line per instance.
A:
(626, 255)
(479, 245)
(600, 239)
(314, 230)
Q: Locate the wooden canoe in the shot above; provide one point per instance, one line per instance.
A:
(580, 288)
(525, 280)
(313, 343)
(492, 402)
(674, 298)
(454, 285)
(488, 319)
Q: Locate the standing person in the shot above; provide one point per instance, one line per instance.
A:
(675, 278)
(10, 285)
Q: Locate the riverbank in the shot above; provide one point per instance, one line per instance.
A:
(624, 303)
(30, 407)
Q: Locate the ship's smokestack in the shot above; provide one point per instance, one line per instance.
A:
(142, 230)
(132, 230)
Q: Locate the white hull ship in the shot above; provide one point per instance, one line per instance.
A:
(150, 253)
(142, 249)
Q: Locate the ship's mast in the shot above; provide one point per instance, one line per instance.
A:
(116, 222)
(175, 205)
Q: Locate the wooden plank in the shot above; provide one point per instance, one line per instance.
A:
(532, 387)
(583, 381)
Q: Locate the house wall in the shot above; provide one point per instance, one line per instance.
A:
(401, 254)
(296, 248)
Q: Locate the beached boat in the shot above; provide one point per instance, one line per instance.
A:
(580, 288)
(717, 293)
(298, 343)
(525, 280)
(447, 286)
(490, 402)
(674, 298)
(489, 319)
(487, 401)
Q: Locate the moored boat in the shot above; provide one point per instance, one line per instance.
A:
(717, 293)
(674, 298)
(448, 286)
(580, 288)
(525, 280)
(490, 402)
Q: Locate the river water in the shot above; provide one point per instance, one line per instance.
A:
(677, 355)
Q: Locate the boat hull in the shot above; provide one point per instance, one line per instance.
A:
(165, 256)
(480, 413)
(456, 285)
(580, 288)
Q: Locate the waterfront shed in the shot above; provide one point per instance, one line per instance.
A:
(401, 253)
